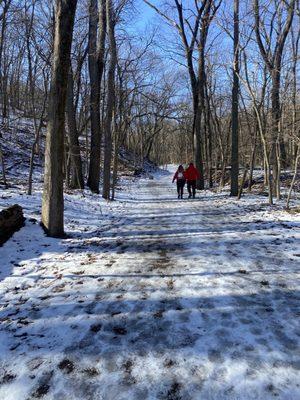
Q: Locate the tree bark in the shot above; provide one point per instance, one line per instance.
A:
(240, 191)
(3, 166)
(234, 188)
(77, 181)
(110, 99)
(3, 78)
(252, 161)
(94, 166)
(53, 201)
(198, 147)
(294, 178)
(199, 99)
(31, 79)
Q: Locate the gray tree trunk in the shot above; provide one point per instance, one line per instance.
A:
(294, 178)
(3, 166)
(198, 147)
(110, 99)
(234, 188)
(3, 78)
(77, 181)
(94, 166)
(53, 201)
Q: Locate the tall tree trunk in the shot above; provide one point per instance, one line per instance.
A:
(275, 111)
(94, 166)
(208, 123)
(110, 99)
(77, 181)
(200, 105)
(234, 188)
(3, 78)
(294, 178)
(117, 135)
(53, 201)
(252, 160)
(198, 146)
(295, 76)
(3, 166)
(37, 128)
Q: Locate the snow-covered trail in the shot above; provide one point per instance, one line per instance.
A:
(175, 299)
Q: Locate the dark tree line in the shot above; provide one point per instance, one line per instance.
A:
(214, 83)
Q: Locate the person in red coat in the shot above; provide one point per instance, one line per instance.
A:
(191, 175)
(179, 177)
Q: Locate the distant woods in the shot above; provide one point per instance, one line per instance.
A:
(212, 81)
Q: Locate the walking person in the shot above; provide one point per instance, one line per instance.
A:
(179, 177)
(191, 175)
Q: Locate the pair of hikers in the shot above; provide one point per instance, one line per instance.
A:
(189, 176)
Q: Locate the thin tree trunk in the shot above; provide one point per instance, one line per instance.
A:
(242, 184)
(116, 159)
(273, 61)
(94, 166)
(76, 181)
(275, 110)
(3, 78)
(234, 188)
(260, 128)
(32, 99)
(35, 144)
(294, 179)
(110, 99)
(198, 147)
(252, 162)
(3, 166)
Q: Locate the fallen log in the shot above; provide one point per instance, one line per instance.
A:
(11, 220)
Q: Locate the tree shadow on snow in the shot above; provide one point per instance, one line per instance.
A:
(122, 335)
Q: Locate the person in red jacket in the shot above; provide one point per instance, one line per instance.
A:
(179, 177)
(191, 175)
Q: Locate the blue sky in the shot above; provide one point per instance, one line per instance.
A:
(146, 13)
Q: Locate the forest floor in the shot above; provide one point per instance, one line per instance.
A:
(150, 297)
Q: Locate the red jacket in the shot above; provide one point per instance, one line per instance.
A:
(175, 177)
(191, 173)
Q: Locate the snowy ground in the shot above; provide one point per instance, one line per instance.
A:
(151, 297)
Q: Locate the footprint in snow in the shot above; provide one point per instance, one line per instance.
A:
(66, 365)
(7, 378)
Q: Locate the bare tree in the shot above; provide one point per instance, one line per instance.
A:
(3, 165)
(3, 19)
(94, 166)
(273, 60)
(111, 22)
(77, 181)
(258, 112)
(53, 201)
(37, 124)
(234, 189)
(194, 35)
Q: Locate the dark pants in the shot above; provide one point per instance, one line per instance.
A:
(191, 187)
(180, 186)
